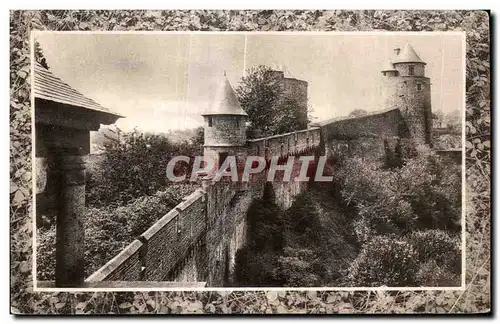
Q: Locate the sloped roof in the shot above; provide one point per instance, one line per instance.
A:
(49, 87)
(225, 101)
(408, 55)
(388, 67)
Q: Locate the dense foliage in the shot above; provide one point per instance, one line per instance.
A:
(375, 226)
(476, 296)
(126, 192)
(135, 166)
(270, 112)
(395, 210)
(109, 229)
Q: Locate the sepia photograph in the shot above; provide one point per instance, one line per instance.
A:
(248, 160)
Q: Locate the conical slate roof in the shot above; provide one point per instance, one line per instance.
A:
(225, 101)
(408, 55)
(388, 67)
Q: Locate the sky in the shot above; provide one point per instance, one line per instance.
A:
(163, 82)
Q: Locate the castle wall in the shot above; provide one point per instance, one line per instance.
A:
(451, 155)
(285, 192)
(285, 144)
(160, 253)
(385, 124)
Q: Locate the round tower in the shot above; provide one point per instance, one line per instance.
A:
(224, 126)
(405, 86)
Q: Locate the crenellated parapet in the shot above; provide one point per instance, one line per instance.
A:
(282, 145)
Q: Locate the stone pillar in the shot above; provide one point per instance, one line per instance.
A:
(69, 172)
(206, 182)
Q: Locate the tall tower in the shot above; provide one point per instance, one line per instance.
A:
(405, 86)
(293, 89)
(224, 126)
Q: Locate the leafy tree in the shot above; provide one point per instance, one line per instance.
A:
(269, 111)
(438, 246)
(424, 193)
(358, 113)
(258, 94)
(199, 138)
(290, 115)
(39, 57)
(108, 229)
(299, 268)
(385, 261)
(135, 166)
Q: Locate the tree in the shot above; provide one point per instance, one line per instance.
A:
(135, 166)
(39, 57)
(358, 113)
(453, 120)
(270, 112)
(199, 138)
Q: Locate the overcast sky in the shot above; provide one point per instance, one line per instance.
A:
(165, 81)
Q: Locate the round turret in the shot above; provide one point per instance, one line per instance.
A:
(224, 124)
(405, 86)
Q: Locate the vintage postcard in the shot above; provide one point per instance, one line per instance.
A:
(274, 164)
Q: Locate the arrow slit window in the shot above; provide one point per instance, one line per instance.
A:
(411, 70)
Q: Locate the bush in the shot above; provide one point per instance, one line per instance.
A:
(424, 193)
(109, 230)
(438, 246)
(432, 275)
(384, 261)
(257, 268)
(135, 167)
(46, 253)
(265, 229)
(299, 268)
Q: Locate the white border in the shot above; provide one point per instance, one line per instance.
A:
(231, 289)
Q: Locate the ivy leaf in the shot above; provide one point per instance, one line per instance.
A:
(125, 305)
(271, 296)
(23, 72)
(13, 187)
(81, 305)
(60, 305)
(312, 294)
(210, 308)
(18, 198)
(24, 267)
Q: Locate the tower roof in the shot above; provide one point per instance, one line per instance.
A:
(388, 67)
(225, 101)
(408, 55)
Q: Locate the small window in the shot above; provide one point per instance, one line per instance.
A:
(222, 158)
(383, 73)
(411, 70)
(209, 121)
(419, 86)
